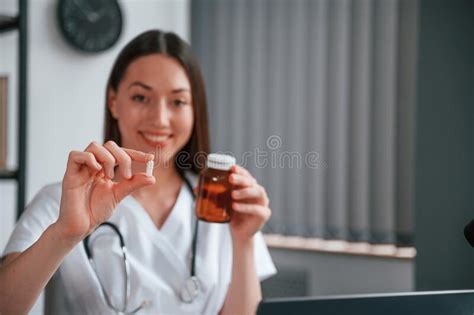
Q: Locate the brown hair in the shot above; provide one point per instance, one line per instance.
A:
(170, 44)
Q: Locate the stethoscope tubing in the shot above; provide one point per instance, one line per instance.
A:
(126, 264)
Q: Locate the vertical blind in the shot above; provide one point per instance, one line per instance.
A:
(316, 98)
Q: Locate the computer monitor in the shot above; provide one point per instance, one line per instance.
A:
(416, 303)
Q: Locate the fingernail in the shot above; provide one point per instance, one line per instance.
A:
(99, 167)
(128, 173)
(111, 174)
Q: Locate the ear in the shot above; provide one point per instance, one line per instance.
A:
(112, 102)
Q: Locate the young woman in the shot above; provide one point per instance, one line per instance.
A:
(155, 109)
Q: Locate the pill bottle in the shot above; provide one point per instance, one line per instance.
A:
(214, 202)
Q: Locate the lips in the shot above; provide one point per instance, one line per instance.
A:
(156, 139)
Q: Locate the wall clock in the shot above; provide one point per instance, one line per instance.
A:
(90, 25)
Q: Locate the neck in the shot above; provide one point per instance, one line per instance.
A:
(158, 199)
(167, 179)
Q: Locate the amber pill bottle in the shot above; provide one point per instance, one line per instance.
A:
(213, 202)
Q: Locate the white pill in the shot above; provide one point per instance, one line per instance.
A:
(149, 168)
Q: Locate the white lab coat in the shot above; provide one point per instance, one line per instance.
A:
(159, 259)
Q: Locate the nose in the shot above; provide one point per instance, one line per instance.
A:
(159, 114)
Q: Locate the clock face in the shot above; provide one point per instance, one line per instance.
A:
(90, 25)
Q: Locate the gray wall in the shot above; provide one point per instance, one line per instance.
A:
(303, 273)
(444, 145)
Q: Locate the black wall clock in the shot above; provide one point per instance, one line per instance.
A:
(90, 25)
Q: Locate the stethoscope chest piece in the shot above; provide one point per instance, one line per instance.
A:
(190, 290)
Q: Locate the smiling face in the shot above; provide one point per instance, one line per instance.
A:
(153, 106)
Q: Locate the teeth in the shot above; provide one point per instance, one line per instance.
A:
(155, 138)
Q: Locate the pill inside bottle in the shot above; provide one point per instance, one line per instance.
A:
(214, 202)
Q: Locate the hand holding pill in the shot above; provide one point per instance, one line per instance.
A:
(89, 193)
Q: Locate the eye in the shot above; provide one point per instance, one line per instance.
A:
(139, 98)
(179, 103)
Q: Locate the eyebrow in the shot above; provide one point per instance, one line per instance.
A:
(143, 85)
(180, 90)
(147, 87)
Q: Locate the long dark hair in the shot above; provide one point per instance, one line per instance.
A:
(170, 44)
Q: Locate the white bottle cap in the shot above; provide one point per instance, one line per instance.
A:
(220, 161)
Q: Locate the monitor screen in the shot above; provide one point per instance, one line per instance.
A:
(416, 303)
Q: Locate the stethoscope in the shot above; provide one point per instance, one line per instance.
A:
(189, 291)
